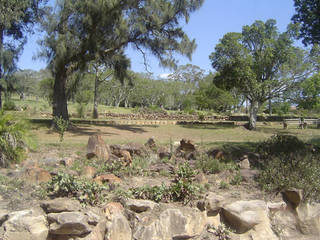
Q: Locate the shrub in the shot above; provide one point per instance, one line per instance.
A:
(81, 110)
(279, 145)
(9, 105)
(289, 162)
(13, 135)
(212, 166)
(183, 189)
(64, 185)
(61, 125)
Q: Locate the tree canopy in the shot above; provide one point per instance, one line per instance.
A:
(257, 62)
(308, 16)
(80, 31)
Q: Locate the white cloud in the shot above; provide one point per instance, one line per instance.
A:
(164, 75)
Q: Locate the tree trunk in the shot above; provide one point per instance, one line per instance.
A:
(253, 112)
(270, 107)
(60, 105)
(95, 113)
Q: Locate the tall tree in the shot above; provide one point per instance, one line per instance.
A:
(257, 62)
(80, 31)
(308, 16)
(16, 19)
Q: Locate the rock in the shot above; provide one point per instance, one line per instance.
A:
(59, 205)
(293, 196)
(89, 172)
(244, 164)
(36, 175)
(135, 149)
(244, 215)
(151, 144)
(118, 228)
(4, 215)
(67, 161)
(187, 145)
(50, 162)
(213, 203)
(98, 232)
(112, 208)
(107, 178)
(216, 154)
(248, 175)
(97, 148)
(309, 219)
(68, 223)
(275, 207)
(124, 156)
(139, 206)
(25, 225)
(173, 224)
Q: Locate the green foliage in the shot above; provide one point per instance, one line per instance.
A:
(307, 16)
(64, 185)
(309, 94)
(13, 135)
(224, 185)
(221, 232)
(183, 189)
(289, 162)
(81, 110)
(9, 105)
(61, 125)
(237, 179)
(259, 62)
(212, 166)
(10, 185)
(299, 171)
(46, 89)
(282, 145)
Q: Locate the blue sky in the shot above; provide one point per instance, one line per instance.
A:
(207, 26)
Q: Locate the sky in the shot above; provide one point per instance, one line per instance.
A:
(207, 25)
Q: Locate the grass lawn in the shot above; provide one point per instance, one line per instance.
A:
(203, 135)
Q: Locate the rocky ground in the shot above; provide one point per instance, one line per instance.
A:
(229, 204)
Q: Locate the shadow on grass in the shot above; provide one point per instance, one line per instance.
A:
(213, 126)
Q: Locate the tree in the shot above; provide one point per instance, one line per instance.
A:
(80, 31)
(257, 62)
(309, 94)
(16, 19)
(308, 16)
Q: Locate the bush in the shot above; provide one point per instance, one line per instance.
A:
(81, 110)
(183, 189)
(61, 125)
(9, 105)
(13, 135)
(289, 162)
(302, 172)
(282, 145)
(212, 166)
(64, 185)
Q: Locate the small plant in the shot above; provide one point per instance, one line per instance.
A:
(183, 189)
(224, 185)
(212, 166)
(9, 105)
(13, 136)
(237, 179)
(64, 185)
(222, 232)
(201, 116)
(61, 125)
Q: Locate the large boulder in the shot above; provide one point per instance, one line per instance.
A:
(244, 215)
(59, 205)
(97, 148)
(35, 175)
(118, 228)
(25, 225)
(173, 223)
(293, 196)
(138, 205)
(68, 223)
